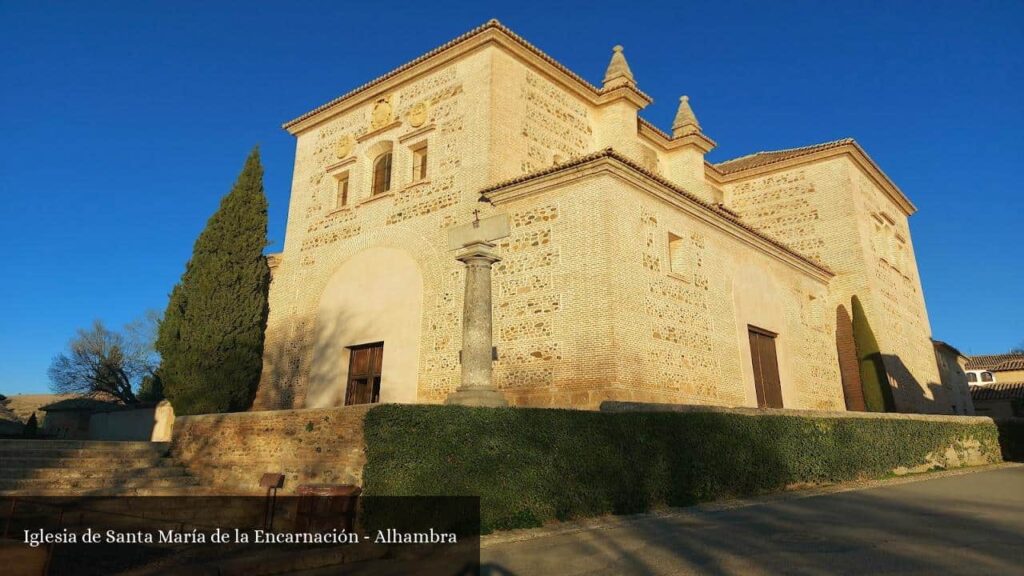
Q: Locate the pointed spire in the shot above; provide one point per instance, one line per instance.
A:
(618, 73)
(685, 122)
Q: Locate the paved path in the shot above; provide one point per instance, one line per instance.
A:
(969, 523)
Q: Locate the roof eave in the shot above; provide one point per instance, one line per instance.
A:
(850, 148)
(491, 32)
(510, 189)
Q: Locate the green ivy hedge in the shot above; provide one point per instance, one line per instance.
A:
(530, 466)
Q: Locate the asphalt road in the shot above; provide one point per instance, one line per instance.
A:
(966, 524)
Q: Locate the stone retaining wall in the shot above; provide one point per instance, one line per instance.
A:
(232, 451)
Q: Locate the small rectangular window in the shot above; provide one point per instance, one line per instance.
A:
(341, 198)
(419, 163)
(676, 254)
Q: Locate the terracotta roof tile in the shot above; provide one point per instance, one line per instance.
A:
(998, 391)
(991, 361)
(1014, 364)
(611, 153)
(770, 157)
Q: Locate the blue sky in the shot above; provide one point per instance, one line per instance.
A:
(123, 123)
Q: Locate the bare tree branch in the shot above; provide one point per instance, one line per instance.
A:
(101, 361)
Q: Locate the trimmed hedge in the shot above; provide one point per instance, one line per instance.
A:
(530, 466)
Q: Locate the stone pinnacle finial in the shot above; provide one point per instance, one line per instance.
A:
(618, 73)
(685, 122)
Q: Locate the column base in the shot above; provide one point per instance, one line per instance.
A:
(477, 397)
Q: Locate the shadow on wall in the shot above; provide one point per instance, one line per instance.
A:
(849, 366)
(911, 393)
(886, 384)
(874, 380)
(287, 361)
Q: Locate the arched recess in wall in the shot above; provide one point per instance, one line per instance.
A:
(374, 296)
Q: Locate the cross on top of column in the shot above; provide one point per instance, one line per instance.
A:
(479, 231)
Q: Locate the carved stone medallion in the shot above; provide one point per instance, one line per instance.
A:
(418, 114)
(344, 146)
(381, 114)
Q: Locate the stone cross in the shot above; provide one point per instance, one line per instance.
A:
(475, 241)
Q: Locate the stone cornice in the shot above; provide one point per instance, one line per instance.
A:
(416, 133)
(491, 33)
(849, 149)
(337, 166)
(625, 92)
(378, 131)
(608, 162)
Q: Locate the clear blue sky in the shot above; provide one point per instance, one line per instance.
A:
(124, 123)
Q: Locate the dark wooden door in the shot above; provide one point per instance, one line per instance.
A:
(364, 374)
(766, 368)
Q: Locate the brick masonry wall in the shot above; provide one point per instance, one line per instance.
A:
(589, 301)
(232, 451)
(832, 211)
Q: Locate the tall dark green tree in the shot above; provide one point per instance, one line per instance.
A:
(873, 376)
(211, 337)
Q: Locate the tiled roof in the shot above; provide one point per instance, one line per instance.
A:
(492, 23)
(998, 391)
(611, 153)
(1014, 364)
(996, 362)
(770, 157)
(938, 343)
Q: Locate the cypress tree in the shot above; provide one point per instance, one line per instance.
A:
(211, 337)
(873, 377)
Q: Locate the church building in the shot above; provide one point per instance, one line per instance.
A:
(635, 270)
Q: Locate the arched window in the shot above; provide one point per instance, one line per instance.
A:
(972, 377)
(382, 174)
(986, 376)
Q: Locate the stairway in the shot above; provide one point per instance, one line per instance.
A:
(90, 468)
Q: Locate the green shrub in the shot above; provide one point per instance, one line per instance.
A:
(31, 429)
(873, 377)
(211, 337)
(530, 466)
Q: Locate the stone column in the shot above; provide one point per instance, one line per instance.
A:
(477, 388)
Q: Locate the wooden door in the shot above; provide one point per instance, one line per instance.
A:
(766, 368)
(364, 374)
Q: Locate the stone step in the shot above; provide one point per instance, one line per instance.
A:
(89, 462)
(44, 452)
(188, 490)
(59, 473)
(78, 487)
(81, 444)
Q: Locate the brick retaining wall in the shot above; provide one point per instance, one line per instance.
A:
(313, 446)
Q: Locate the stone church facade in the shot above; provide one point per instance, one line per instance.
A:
(635, 270)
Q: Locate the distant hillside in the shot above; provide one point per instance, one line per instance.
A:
(23, 405)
